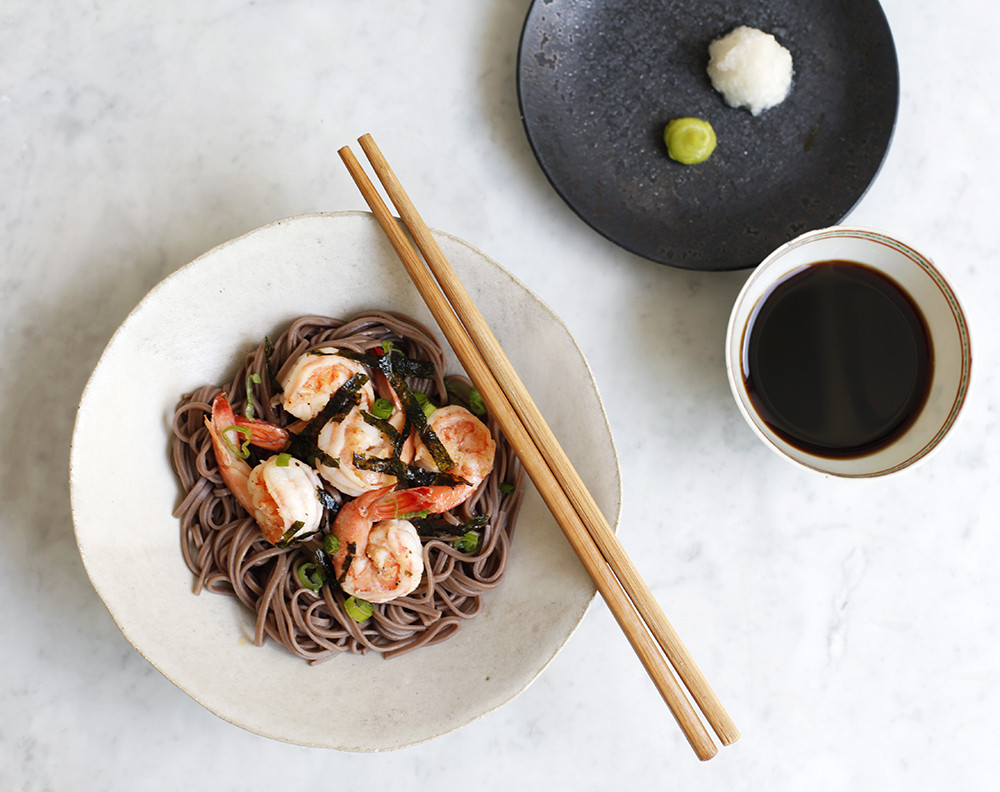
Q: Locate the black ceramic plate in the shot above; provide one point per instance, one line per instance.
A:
(599, 79)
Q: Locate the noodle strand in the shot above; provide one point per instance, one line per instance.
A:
(224, 549)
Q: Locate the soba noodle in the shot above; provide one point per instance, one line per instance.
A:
(223, 547)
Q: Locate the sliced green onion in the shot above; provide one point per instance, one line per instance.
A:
(311, 576)
(326, 499)
(425, 403)
(252, 379)
(382, 409)
(243, 452)
(358, 609)
(414, 515)
(506, 488)
(467, 543)
(331, 544)
(283, 460)
(289, 535)
(268, 354)
(476, 404)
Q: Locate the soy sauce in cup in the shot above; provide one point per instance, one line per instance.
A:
(837, 359)
(848, 353)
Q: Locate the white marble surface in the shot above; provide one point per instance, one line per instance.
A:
(850, 627)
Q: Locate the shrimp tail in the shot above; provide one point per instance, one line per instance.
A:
(264, 435)
(259, 433)
(388, 503)
(234, 471)
(430, 499)
(228, 432)
(379, 504)
(379, 557)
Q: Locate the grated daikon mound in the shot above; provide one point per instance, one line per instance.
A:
(750, 69)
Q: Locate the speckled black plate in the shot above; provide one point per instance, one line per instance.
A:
(599, 79)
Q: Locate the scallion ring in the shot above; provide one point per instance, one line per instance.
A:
(425, 403)
(311, 576)
(358, 609)
(476, 404)
(243, 452)
(467, 543)
(252, 379)
(382, 409)
(423, 514)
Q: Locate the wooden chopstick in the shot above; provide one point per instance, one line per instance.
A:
(544, 461)
(550, 448)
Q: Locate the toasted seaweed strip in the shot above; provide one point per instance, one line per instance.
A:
(435, 527)
(272, 374)
(403, 365)
(329, 503)
(289, 535)
(326, 563)
(396, 367)
(395, 437)
(331, 508)
(352, 548)
(304, 445)
(410, 475)
(418, 419)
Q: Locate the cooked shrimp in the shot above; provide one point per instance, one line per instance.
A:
(471, 447)
(355, 436)
(379, 556)
(229, 435)
(286, 498)
(281, 492)
(315, 377)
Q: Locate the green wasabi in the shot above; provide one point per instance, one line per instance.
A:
(689, 140)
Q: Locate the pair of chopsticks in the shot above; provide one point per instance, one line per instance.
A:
(629, 598)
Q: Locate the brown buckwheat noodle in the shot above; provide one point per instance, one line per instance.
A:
(224, 548)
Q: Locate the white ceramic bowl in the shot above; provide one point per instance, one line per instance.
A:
(189, 331)
(937, 302)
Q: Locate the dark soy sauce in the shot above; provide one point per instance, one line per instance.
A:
(837, 360)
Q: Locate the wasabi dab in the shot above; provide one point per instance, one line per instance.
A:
(689, 140)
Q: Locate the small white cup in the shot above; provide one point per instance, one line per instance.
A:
(947, 329)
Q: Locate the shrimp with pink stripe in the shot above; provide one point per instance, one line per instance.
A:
(379, 555)
(471, 448)
(361, 438)
(281, 493)
(314, 377)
